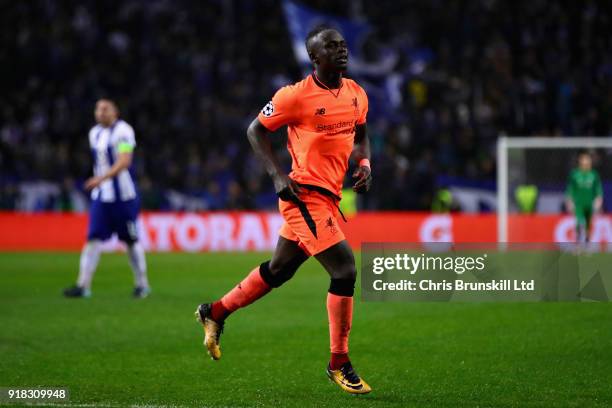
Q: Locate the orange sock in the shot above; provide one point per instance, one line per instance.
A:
(340, 315)
(246, 292)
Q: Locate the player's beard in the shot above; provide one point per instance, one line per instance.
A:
(342, 65)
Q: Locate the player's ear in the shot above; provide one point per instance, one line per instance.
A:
(312, 57)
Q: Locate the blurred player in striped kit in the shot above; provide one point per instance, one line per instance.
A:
(115, 202)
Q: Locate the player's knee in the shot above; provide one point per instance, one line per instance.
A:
(342, 287)
(346, 271)
(343, 280)
(276, 274)
(93, 243)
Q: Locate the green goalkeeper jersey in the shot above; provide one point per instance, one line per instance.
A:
(584, 187)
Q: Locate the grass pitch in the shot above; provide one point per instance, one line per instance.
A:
(111, 350)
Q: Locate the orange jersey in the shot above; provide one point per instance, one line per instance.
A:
(320, 128)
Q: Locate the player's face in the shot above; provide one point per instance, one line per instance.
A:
(330, 51)
(105, 113)
(585, 162)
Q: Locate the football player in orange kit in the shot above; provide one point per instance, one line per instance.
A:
(325, 115)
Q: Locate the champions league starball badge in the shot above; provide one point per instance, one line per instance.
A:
(268, 110)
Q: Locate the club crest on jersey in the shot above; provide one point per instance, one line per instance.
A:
(329, 223)
(268, 110)
(356, 106)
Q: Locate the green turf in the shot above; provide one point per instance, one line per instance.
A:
(117, 351)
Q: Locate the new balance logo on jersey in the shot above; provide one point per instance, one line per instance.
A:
(320, 112)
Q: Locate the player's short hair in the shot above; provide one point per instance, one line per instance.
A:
(109, 100)
(314, 32)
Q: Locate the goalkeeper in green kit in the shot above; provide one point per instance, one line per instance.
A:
(584, 195)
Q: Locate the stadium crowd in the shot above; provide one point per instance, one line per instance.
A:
(189, 76)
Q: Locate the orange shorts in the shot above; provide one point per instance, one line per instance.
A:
(314, 224)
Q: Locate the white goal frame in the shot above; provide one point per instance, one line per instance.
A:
(505, 143)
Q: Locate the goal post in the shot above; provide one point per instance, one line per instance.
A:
(547, 155)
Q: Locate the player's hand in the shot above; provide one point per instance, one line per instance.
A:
(597, 205)
(287, 189)
(363, 174)
(93, 182)
(569, 205)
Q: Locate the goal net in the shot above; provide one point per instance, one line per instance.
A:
(532, 175)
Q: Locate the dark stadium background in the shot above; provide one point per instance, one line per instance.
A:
(190, 75)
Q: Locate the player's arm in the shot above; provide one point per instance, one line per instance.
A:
(259, 138)
(361, 154)
(124, 160)
(598, 202)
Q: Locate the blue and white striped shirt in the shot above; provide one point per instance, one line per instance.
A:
(104, 143)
